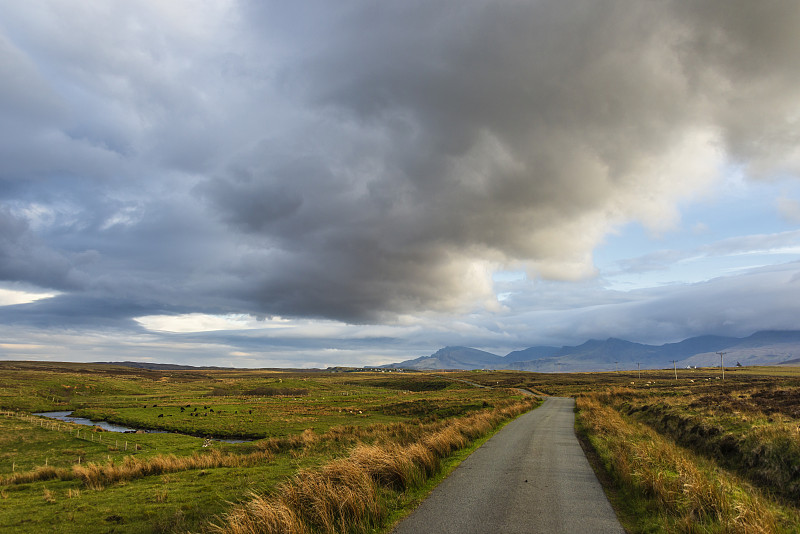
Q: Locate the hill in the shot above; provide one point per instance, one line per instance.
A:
(455, 358)
(761, 348)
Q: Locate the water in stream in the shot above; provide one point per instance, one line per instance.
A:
(110, 427)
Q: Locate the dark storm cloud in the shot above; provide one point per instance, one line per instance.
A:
(358, 160)
(101, 312)
(23, 258)
(446, 134)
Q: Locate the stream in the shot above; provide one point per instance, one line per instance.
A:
(110, 427)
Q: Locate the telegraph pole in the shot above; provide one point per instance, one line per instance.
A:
(722, 363)
(639, 367)
(675, 368)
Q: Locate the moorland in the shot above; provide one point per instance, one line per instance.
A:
(353, 451)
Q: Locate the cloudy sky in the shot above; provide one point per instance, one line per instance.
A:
(358, 182)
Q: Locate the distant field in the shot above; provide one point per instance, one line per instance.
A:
(85, 481)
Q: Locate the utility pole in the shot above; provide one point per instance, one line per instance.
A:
(722, 363)
(639, 367)
(674, 368)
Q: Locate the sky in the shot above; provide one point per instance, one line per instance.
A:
(312, 184)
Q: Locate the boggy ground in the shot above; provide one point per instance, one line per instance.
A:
(767, 400)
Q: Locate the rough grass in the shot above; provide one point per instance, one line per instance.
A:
(689, 494)
(95, 475)
(730, 429)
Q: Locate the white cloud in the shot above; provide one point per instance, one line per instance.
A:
(201, 322)
(10, 297)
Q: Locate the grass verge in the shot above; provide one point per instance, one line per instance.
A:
(661, 487)
(413, 497)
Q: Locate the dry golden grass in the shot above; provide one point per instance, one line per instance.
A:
(694, 493)
(749, 430)
(48, 496)
(261, 514)
(40, 473)
(97, 475)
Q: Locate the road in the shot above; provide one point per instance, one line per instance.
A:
(531, 477)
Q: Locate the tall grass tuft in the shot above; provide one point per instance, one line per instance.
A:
(48, 496)
(40, 473)
(261, 514)
(95, 475)
(98, 475)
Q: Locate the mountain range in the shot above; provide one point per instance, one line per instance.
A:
(761, 348)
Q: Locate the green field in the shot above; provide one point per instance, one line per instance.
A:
(692, 454)
(295, 421)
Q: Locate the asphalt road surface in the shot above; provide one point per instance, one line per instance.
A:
(531, 477)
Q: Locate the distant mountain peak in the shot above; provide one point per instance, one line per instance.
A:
(763, 347)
